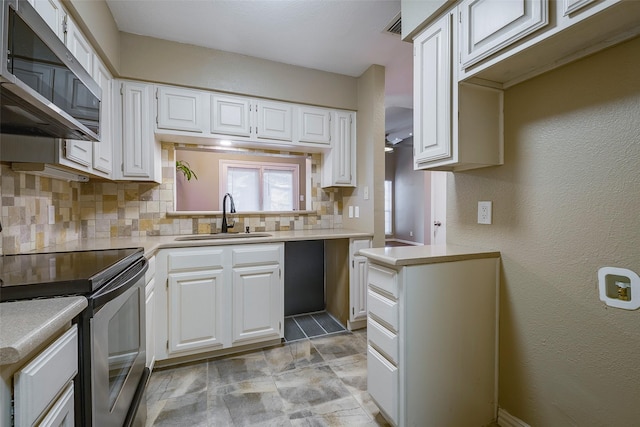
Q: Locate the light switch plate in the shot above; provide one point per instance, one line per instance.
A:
(484, 212)
(350, 211)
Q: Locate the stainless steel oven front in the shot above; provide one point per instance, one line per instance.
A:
(114, 325)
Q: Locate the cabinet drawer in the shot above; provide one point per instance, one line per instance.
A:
(61, 413)
(196, 260)
(42, 379)
(384, 309)
(383, 339)
(255, 255)
(384, 279)
(382, 383)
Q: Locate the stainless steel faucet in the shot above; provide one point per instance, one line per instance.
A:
(225, 226)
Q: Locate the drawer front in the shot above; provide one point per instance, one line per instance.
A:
(200, 259)
(384, 279)
(61, 414)
(383, 309)
(256, 255)
(42, 379)
(383, 340)
(382, 383)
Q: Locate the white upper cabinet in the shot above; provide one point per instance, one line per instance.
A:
(488, 26)
(53, 14)
(181, 109)
(79, 46)
(274, 120)
(571, 6)
(508, 42)
(139, 154)
(456, 126)
(314, 125)
(230, 115)
(339, 164)
(433, 91)
(103, 149)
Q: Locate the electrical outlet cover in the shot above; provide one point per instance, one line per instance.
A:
(484, 212)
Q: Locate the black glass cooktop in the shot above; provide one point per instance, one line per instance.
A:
(27, 276)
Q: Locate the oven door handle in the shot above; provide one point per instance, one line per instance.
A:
(120, 284)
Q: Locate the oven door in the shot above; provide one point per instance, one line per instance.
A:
(118, 354)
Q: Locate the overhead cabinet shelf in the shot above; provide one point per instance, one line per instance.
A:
(465, 57)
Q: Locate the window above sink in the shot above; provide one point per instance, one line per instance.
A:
(259, 182)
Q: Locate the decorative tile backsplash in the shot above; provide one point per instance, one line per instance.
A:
(101, 209)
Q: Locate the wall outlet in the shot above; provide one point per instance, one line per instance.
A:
(484, 212)
(357, 211)
(366, 192)
(350, 211)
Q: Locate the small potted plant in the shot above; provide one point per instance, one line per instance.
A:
(184, 167)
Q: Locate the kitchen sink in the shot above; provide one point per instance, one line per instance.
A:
(221, 236)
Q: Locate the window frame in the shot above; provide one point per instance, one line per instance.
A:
(224, 165)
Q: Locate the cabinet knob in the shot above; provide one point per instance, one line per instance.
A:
(437, 223)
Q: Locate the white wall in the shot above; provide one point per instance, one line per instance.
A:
(151, 59)
(566, 202)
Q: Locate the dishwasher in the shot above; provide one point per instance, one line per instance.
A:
(303, 277)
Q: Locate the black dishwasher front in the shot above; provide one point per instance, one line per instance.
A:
(303, 277)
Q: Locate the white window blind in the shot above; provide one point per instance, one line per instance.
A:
(258, 186)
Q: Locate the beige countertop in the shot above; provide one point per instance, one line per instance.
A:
(428, 254)
(25, 325)
(152, 244)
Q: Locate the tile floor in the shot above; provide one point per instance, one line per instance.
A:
(311, 382)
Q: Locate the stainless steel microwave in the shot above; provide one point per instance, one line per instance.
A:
(44, 90)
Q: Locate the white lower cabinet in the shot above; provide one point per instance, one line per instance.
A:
(358, 281)
(150, 313)
(217, 297)
(43, 389)
(257, 308)
(432, 341)
(196, 307)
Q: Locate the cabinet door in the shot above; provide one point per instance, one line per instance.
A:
(137, 131)
(274, 120)
(79, 46)
(78, 153)
(150, 324)
(196, 310)
(180, 109)
(358, 280)
(571, 6)
(230, 115)
(344, 150)
(258, 303)
(103, 149)
(432, 92)
(339, 164)
(52, 13)
(491, 25)
(314, 125)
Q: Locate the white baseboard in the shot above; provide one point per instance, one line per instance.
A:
(505, 419)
